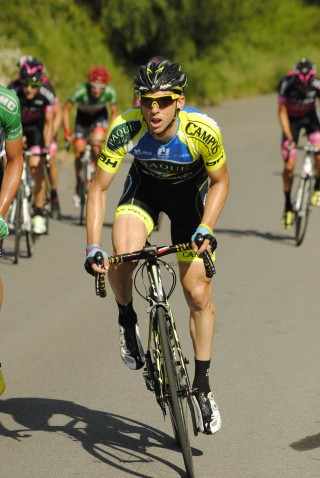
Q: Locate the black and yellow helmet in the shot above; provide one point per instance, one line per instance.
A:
(160, 74)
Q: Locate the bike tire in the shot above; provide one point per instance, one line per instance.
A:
(302, 212)
(47, 210)
(17, 225)
(176, 408)
(82, 208)
(30, 241)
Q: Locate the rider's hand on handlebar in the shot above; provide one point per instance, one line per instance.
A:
(209, 241)
(67, 135)
(90, 264)
(290, 144)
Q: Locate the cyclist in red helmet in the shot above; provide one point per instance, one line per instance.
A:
(96, 102)
(299, 92)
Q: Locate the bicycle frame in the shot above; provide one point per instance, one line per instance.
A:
(165, 370)
(19, 216)
(306, 172)
(45, 164)
(157, 298)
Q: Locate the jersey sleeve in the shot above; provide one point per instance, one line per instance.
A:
(10, 115)
(204, 139)
(122, 133)
(77, 93)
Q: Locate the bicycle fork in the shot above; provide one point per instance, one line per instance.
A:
(154, 372)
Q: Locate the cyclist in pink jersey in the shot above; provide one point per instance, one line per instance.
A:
(299, 91)
(57, 120)
(37, 112)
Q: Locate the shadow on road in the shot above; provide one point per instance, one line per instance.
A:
(307, 443)
(115, 440)
(75, 221)
(254, 233)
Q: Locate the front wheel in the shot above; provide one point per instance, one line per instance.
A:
(175, 392)
(302, 210)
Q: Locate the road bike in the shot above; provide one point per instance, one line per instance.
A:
(302, 205)
(21, 210)
(20, 213)
(165, 371)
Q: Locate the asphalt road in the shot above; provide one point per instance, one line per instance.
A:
(72, 409)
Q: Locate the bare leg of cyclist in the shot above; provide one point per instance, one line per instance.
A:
(197, 291)
(1, 293)
(288, 173)
(54, 178)
(128, 234)
(2, 382)
(79, 146)
(98, 137)
(39, 188)
(315, 200)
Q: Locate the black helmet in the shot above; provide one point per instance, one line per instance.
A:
(31, 70)
(304, 71)
(159, 74)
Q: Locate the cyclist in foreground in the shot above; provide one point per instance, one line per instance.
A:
(176, 150)
(11, 146)
(298, 91)
(93, 100)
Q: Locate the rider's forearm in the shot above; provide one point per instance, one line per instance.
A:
(48, 132)
(66, 116)
(66, 121)
(215, 200)
(95, 214)
(285, 124)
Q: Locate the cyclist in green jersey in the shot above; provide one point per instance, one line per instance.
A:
(96, 103)
(179, 168)
(11, 146)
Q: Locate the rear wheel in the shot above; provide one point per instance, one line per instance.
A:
(302, 211)
(177, 402)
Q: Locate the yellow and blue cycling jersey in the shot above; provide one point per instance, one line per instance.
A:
(198, 138)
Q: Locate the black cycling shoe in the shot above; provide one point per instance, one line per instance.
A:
(131, 350)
